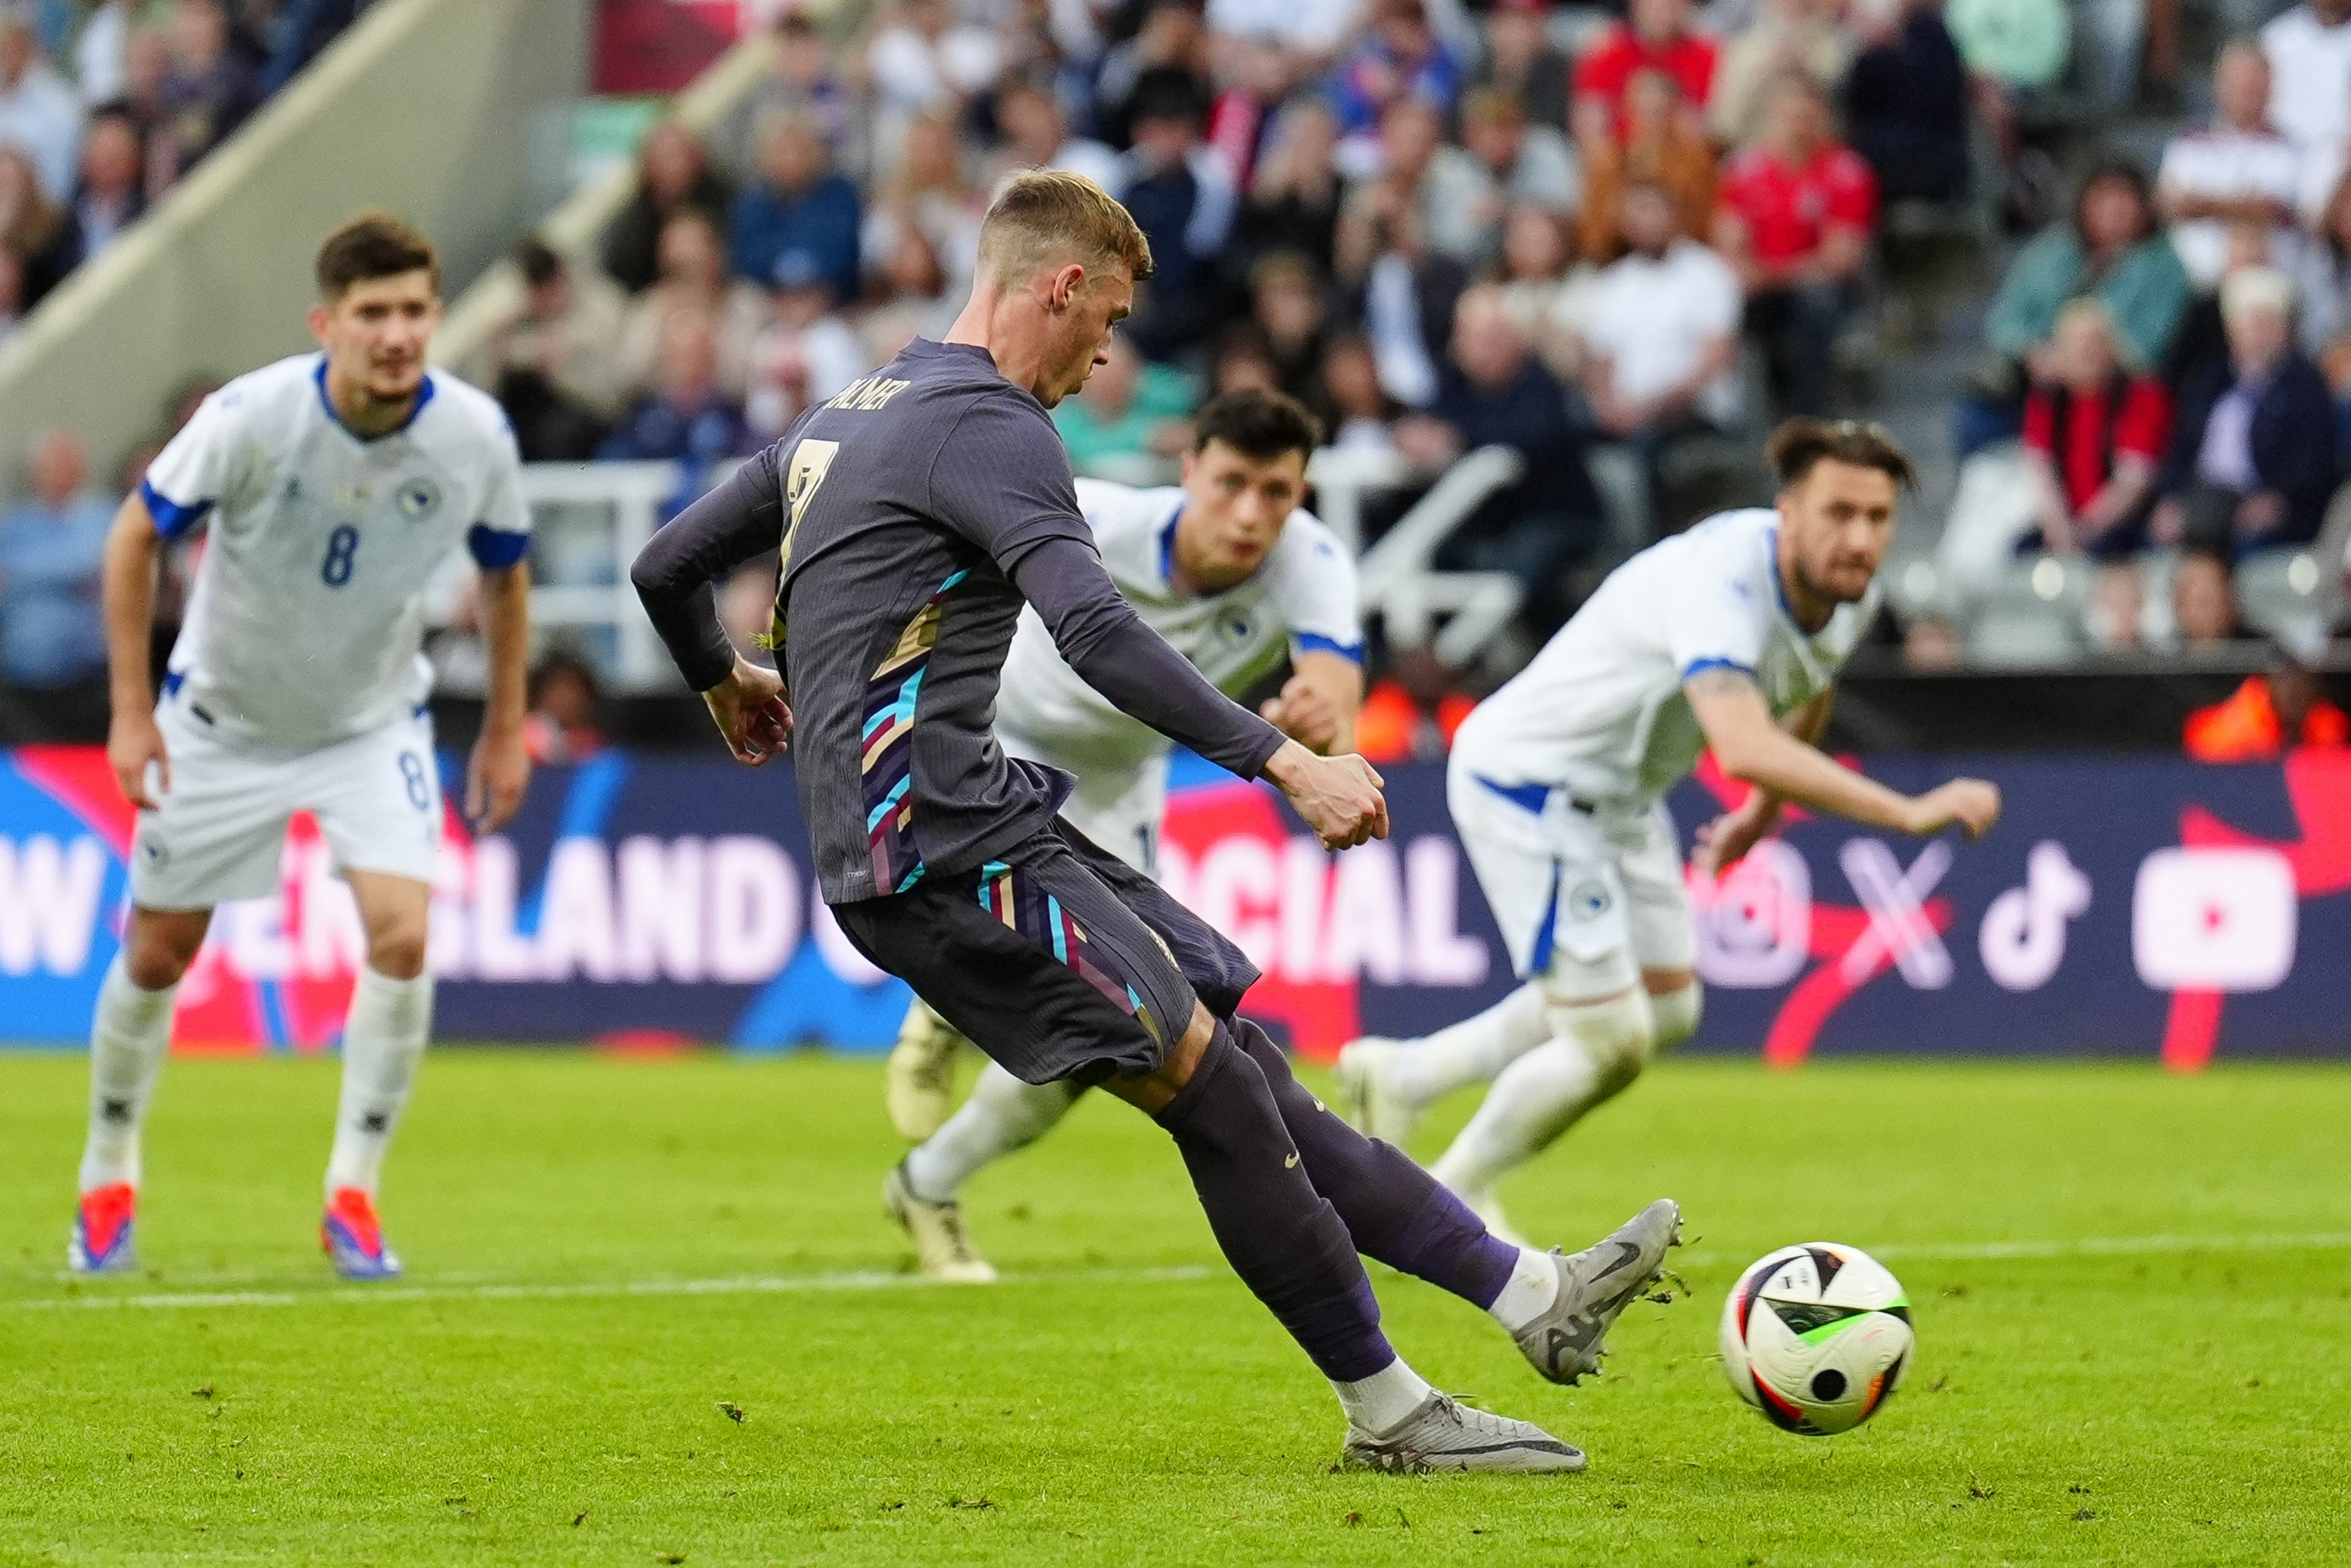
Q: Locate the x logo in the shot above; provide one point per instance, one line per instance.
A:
(1895, 900)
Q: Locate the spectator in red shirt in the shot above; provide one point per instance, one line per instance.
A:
(2094, 434)
(1796, 211)
(1656, 35)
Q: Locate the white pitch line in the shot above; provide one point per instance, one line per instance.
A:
(747, 1285)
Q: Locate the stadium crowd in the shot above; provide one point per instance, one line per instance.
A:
(1556, 231)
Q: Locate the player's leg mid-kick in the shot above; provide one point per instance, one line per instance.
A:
(944, 862)
(1727, 637)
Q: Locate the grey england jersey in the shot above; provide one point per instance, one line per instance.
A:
(917, 511)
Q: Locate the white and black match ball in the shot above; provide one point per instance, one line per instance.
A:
(1816, 1337)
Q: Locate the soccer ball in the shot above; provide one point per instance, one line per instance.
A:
(1816, 1337)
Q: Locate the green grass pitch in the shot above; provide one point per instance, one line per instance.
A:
(653, 1315)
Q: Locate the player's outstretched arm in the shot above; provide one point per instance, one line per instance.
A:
(1751, 747)
(1319, 703)
(132, 739)
(499, 770)
(673, 576)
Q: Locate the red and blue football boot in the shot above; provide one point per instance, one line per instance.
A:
(101, 1232)
(354, 1237)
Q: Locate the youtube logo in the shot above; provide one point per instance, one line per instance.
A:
(2214, 919)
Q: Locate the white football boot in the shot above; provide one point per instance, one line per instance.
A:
(1371, 1107)
(919, 1082)
(941, 1244)
(1443, 1434)
(1595, 1286)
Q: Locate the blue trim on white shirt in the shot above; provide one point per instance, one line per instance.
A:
(1526, 797)
(423, 396)
(1699, 666)
(1167, 546)
(494, 549)
(172, 519)
(1547, 935)
(1315, 642)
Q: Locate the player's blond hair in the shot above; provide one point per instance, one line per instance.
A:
(1048, 215)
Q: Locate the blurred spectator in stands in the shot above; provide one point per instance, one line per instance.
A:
(909, 297)
(2325, 317)
(1656, 35)
(1661, 335)
(2309, 50)
(38, 111)
(1182, 197)
(1906, 105)
(1400, 60)
(808, 353)
(1128, 422)
(1527, 163)
(694, 281)
(1803, 36)
(554, 367)
(688, 418)
(2115, 617)
(1797, 211)
(1521, 59)
(1546, 296)
(561, 725)
(2015, 46)
(102, 51)
(1456, 199)
(804, 80)
(1496, 393)
(1311, 32)
(1662, 145)
(674, 174)
(52, 545)
(210, 88)
(1294, 203)
(1292, 310)
(147, 65)
(2237, 169)
(1252, 78)
(1169, 53)
(1359, 415)
(1037, 136)
(2204, 601)
(39, 232)
(112, 194)
(1409, 714)
(1932, 645)
(2282, 709)
(928, 187)
(2094, 434)
(2252, 459)
(299, 31)
(1401, 293)
(798, 203)
(926, 61)
(2111, 248)
(1241, 362)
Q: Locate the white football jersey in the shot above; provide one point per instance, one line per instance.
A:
(305, 625)
(1601, 711)
(1300, 599)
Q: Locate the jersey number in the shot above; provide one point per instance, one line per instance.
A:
(412, 772)
(341, 544)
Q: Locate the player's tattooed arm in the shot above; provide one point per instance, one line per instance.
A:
(134, 741)
(1752, 748)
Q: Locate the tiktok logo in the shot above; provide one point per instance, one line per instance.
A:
(2022, 939)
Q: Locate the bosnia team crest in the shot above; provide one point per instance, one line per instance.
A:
(418, 499)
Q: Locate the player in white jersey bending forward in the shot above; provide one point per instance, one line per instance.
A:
(1727, 637)
(1235, 576)
(336, 484)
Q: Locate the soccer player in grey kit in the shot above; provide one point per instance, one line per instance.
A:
(916, 513)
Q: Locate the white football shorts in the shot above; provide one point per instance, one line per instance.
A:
(221, 832)
(1587, 899)
(1120, 808)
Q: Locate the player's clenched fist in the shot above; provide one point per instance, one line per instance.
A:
(1971, 803)
(1339, 796)
(134, 741)
(749, 708)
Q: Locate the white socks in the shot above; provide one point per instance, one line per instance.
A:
(1002, 1114)
(384, 1038)
(128, 1037)
(1472, 1051)
(1534, 1285)
(1596, 1049)
(1378, 1404)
